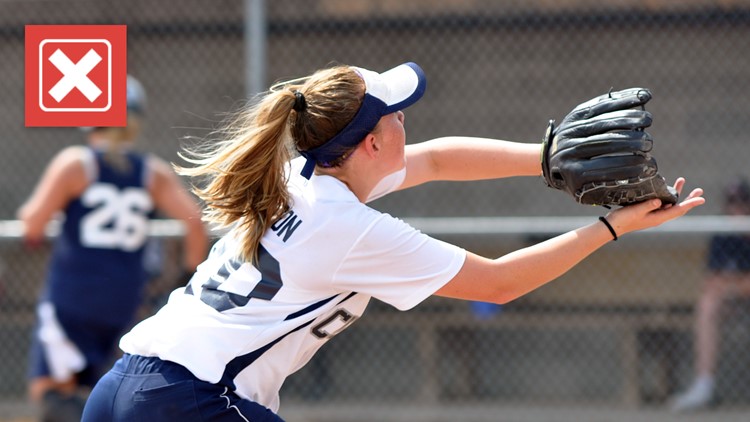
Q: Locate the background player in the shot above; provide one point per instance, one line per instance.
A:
(728, 277)
(304, 254)
(107, 193)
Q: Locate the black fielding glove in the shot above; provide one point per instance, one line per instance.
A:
(601, 153)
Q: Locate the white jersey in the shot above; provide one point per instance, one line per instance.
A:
(249, 327)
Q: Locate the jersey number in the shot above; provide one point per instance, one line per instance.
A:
(334, 324)
(119, 218)
(222, 291)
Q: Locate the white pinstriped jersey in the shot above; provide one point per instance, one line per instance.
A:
(249, 327)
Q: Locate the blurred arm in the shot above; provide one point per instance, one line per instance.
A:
(64, 179)
(171, 197)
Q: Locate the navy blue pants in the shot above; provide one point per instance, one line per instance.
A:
(146, 389)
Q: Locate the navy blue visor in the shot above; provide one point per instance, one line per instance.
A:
(385, 93)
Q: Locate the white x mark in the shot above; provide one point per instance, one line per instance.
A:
(75, 75)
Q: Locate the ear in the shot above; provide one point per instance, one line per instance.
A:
(372, 146)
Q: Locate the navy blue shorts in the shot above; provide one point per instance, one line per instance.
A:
(97, 343)
(147, 389)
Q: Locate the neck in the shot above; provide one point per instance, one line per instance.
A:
(357, 175)
(360, 187)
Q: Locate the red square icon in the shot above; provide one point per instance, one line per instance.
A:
(76, 75)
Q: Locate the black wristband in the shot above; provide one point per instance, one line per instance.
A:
(609, 226)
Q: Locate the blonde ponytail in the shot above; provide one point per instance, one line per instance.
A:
(245, 172)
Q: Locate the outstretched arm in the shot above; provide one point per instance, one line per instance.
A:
(457, 158)
(515, 274)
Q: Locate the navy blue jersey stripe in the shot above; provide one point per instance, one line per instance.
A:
(317, 305)
(347, 298)
(236, 365)
(309, 309)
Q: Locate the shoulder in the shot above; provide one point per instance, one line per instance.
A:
(73, 164)
(388, 231)
(156, 164)
(72, 155)
(159, 172)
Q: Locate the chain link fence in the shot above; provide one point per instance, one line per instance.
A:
(614, 332)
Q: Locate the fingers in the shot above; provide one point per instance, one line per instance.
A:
(695, 193)
(693, 200)
(636, 216)
(650, 213)
(679, 184)
(645, 207)
(652, 205)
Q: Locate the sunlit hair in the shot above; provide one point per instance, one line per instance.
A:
(241, 172)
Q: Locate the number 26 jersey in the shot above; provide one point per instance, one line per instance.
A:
(96, 269)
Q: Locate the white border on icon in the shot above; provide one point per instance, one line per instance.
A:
(109, 76)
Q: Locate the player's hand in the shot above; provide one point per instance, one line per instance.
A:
(651, 213)
(32, 244)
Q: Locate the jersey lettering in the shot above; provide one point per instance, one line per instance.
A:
(230, 288)
(332, 325)
(286, 226)
(119, 219)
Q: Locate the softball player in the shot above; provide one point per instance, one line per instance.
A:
(96, 275)
(304, 254)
